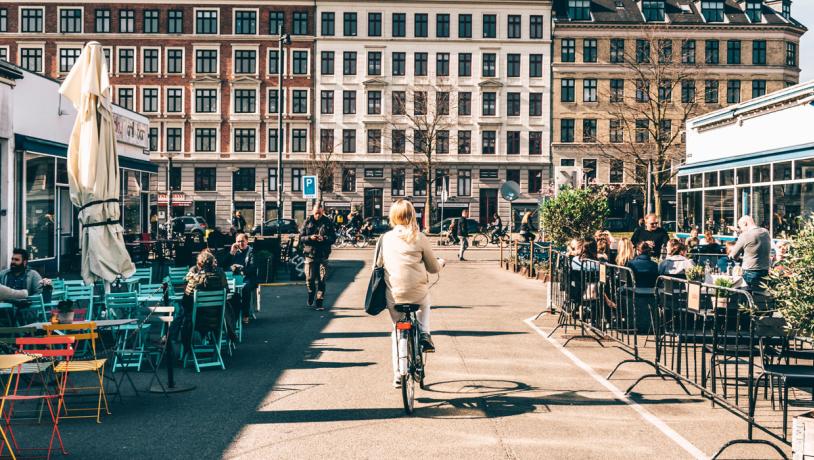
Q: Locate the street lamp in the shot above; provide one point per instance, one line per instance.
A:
(285, 39)
(168, 225)
(234, 170)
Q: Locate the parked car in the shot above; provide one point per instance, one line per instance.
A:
(380, 224)
(471, 224)
(287, 226)
(193, 225)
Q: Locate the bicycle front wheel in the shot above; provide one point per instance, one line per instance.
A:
(480, 241)
(361, 241)
(504, 241)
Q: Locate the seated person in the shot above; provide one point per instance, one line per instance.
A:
(19, 277)
(711, 245)
(645, 270)
(676, 262)
(204, 276)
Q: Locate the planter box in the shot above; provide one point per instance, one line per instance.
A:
(802, 437)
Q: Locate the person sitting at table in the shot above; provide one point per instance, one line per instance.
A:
(693, 235)
(602, 249)
(243, 264)
(676, 262)
(625, 253)
(19, 277)
(645, 271)
(204, 276)
(711, 245)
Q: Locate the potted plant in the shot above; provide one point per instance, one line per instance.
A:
(65, 312)
(722, 295)
(695, 273)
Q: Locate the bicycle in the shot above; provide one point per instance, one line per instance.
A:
(411, 358)
(499, 237)
(347, 237)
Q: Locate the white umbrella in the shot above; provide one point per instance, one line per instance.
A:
(93, 169)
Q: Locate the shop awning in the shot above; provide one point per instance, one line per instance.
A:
(785, 154)
(58, 149)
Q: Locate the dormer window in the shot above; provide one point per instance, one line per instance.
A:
(753, 10)
(787, 9)
(579, 10)
(653, 10)
(713, 10)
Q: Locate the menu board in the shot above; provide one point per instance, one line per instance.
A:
(694, 297)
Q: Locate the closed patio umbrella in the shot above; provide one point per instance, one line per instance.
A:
(93, 169)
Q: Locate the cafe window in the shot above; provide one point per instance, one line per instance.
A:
(690, 210)
(761, 173)
(719, 210)
(782, 171)
(804, 169)
(40, 196)
(711, 179)
(727, 177)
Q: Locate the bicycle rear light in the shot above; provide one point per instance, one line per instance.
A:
(402, 326)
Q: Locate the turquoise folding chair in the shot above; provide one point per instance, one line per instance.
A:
(130, 345)
(34, 312)
(81, 295)
(178, 271)
(229, 275)
(144, 274)
(208, 312)
(121, 305)
(57, 290)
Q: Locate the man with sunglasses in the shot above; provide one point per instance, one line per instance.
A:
(651, 232)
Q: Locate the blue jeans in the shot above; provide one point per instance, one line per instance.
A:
(754, 278)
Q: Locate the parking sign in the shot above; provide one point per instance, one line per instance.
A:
(309, 186)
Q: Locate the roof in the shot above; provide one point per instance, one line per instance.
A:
(10, 71)
(678, 12)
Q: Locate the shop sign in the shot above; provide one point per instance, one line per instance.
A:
(129, 131)
(178, 199)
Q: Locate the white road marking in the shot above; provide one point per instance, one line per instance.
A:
(618, 394)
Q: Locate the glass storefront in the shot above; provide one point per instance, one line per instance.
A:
(39, 203)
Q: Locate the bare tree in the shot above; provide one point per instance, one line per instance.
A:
(647, 124)
(324, 165)
(418, 128)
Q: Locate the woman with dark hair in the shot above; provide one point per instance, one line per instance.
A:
(645, 270)
(204, 276)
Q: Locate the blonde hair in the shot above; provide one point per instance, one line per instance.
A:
(402, 213)
(625, 252)
(526, 217)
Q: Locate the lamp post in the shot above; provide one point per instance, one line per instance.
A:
(168, 224)
(284, 39)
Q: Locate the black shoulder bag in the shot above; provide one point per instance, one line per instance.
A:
(376, 297)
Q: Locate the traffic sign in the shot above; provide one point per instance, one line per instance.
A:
(309, 186)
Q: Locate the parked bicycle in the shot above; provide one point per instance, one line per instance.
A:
(496, 236)
(347, 236)
(411, 358)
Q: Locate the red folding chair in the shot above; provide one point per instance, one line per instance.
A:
(52, 347)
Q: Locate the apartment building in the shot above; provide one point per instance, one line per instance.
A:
(740, 49)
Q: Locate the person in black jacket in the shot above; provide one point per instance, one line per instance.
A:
(463, 233)
(243, 264)
(239, 222)
(317, 237)
(651, 232)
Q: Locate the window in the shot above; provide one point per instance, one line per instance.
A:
(243, 180)
(3, 20)
(276, 22)
(535, 180)
(665, 90)
(205, 179)
(102, 21)
(272, 182)
(206, 22)
(687, 91)
(125, 98)
(150, 21)
(31, 20)
(245, 22)
(589, 50)
(753, 8)
(758, 88)
(513, 65)
(512, 175)
(515, 27)
(642, 131)
(399, 64)
(616, 132)
(246, 61)
(348, 141)
(464, 104)
(579, 10)
(328, 28)
(713, 10)
(617, 90)
(205, 139)
(175, 22)
(791, 54)
(642, 51)
(296, 179)
(274, 140)
(489, 26)
(464, 182)
(786, 9)
(273, 101)
(399, 141)
(441, 103)
(535, 27)
(349, 24)
(299, 101)
(442, 25)
(206, 61)
(568, 50)
(733, 52)
(513, 104)
(733, 91)
(535, 104)
(419, 183)
(149, 100)
(442, 64)
(300, 26)
(589, 90)
(464, 64)
(488, 141)
(688, 52)
(589, 130)
(327, 63)
(653, 10)
(568, 162)
(127, 60)
(464, 26)
(326, 140)
(617, 50)
(399, 102)
(326, 102)
(206, 100)
(397, 180)
(421, 26)
(349, 63)
(70, 21)
(419, 102)
(374, 102)
(489, 65)
(535, 65)
(374, 173)
(374, 63)
(175, 100)
(488, 174)
(149, 60)
(374, 141)
(420, 64)
(489, 104)
(711, 91)
(153, 139)
(175, 60)
(348, 180)
(348, 102)
(374, 24)
(299, 62)
(274, 62)
(173, 144)
(665, 130)
(399, 25)
(665, 51)
(67, 58)
(711, 53)
(642, 91)
(299, 140)
(535, 142)
(567, 130)
(617, 172)
(567, 92)
(464, 142)
(513, 142)
(759, 52)
(31, 59)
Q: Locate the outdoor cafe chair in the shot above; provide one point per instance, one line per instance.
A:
(129, 338)
(208, 313)
(83, 332)
(178, 271)
(81, 295)
(162, 316)
(144, 275)
(34, 312)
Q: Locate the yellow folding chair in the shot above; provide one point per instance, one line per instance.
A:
(82, 332)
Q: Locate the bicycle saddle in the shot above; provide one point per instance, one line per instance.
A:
(407, 307)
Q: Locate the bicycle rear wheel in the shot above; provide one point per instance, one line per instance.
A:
(480, 241)
(407, 380)
(361, 241)
(504, 241)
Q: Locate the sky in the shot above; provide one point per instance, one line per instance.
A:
(803, 11)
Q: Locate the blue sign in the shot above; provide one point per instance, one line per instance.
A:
(309, 186)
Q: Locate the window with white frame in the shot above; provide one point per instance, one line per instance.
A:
(273, 101)
(206, 100)
(326, 102)
(274, 140)
(206, 22)
(3, 19)
(31, 59)
(149, 100)
(299, 62)
(31, 20)
(70, 20)
(67, 58)
(206, 61)
(175, 100)
(244, 140)
(175, 60)
(4, 53)
(127, 60)
(125, 98)
(150, 60)
(245, 100)
(245, 22)
(299, 140)
(299, 101)
(206, 139)
(274, 62)
(174, 139)
(245, 61)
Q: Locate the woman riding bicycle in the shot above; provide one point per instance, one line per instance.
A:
(407, 258)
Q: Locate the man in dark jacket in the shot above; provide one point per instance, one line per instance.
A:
(317, 237)
(243, 264)
(651, 232)
(463, 233)
(239, 222)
